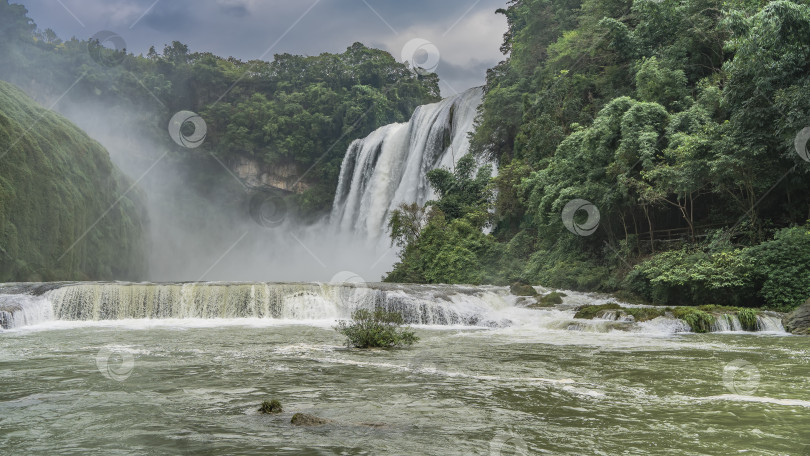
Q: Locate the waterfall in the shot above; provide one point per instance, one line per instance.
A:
(484, 306)
(389, 166)
(425, 305)
(726, 322)
(24, 309)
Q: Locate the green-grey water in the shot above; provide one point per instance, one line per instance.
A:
(193, 387)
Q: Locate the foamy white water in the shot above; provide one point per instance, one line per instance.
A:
(207, 304)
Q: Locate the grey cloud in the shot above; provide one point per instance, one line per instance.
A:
(247, 28)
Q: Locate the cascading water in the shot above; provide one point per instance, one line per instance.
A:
(484, 306)
(425, 305)
(389, 166)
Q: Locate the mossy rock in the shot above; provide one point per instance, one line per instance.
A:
(551, 298)
(522, 289)
(641, 314)
(589, 312)
(305, 419)
(273, 406)
(540, 304)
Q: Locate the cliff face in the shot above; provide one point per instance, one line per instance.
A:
(258, 175)
(65, 210)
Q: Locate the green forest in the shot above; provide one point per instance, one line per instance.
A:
(679, 121)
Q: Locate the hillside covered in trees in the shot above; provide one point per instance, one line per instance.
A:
(66, 212)
(678, 123)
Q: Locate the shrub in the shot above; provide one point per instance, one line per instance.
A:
(780, 267)
(748, 319)
(376, 328)
(692, 277)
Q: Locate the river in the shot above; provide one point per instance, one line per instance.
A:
(501, 380)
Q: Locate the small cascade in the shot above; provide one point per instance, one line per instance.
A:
(390, 166)
(727, 322)
(437, 305)
(17, 310)
(770, 322)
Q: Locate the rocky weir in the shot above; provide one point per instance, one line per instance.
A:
(26, 304)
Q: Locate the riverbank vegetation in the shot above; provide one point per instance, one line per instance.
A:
(681, 122)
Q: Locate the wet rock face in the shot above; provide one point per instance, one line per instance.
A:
(5, 319)
(798, 321)
(304, 419)
(256, 174)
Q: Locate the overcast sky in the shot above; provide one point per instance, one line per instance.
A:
(463, 35)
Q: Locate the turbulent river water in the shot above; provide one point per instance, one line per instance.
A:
(182, 368)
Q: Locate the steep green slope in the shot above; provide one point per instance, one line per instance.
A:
(64, 213)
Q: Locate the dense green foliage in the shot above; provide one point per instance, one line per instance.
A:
(676, 119)
(376, 329)
(772, 272)
(295, 112)
(66, 213)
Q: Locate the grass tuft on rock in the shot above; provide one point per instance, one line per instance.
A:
(748, 319)
(376, 329)
(272, 406)
(700, 321)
